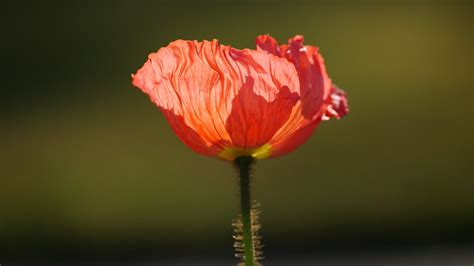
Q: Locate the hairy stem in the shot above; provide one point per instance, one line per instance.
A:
(243, 164)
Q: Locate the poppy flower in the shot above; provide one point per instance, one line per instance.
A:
(227, 103)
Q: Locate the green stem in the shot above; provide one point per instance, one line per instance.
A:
(244, 164)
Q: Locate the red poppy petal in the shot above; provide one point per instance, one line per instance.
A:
(265, 101)
(293, 139)
(337, 105)
(179, 81)
(188, 135)
(314, 81)
(254, 120)
(268, 43)
(195, 84)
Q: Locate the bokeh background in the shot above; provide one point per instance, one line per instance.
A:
(91, 172)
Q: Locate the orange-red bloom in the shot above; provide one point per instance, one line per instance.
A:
(226, 102)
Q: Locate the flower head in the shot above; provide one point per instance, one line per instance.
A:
(225, 102)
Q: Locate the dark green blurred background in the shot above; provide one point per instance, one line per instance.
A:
(89, 167)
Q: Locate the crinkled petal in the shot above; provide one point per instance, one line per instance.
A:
(198, 83)
(293, 138)
(314, 81)
(320, 99)
(254, 120)
(188, 135)
(269, 44)
(336, 105)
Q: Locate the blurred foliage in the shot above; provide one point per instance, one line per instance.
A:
(86, 157)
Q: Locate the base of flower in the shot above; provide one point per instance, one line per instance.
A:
(232, 154)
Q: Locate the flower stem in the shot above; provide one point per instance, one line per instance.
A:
(244, 164)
